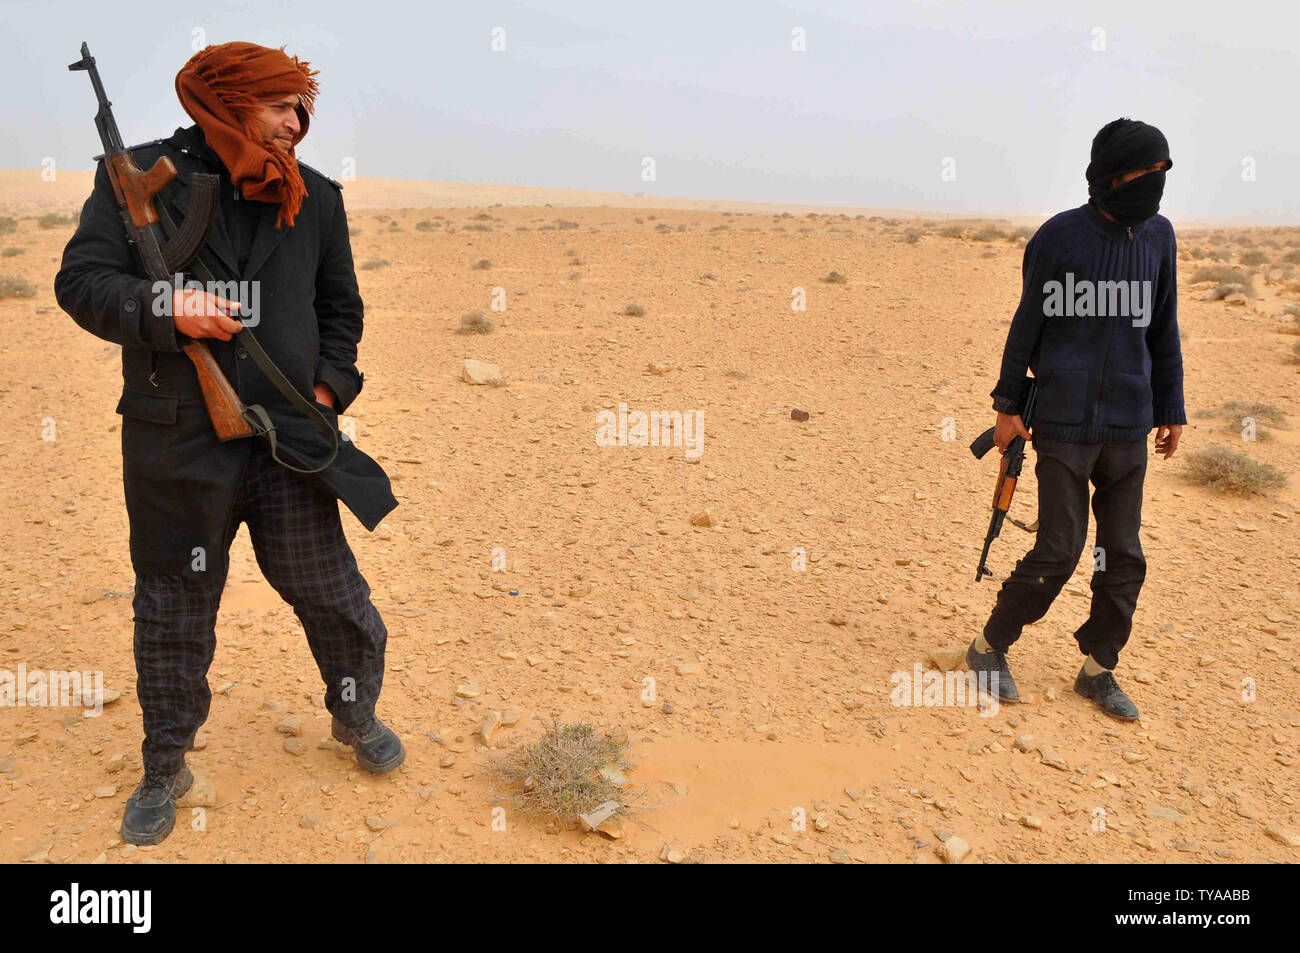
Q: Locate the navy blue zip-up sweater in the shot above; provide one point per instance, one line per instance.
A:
(1107, 370)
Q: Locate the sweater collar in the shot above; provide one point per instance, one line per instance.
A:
(1105, 227)
(190, 139)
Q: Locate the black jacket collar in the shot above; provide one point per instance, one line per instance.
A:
(1105, 227)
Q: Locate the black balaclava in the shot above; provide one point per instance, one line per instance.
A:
(1127, 145)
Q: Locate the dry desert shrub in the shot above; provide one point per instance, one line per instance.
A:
(1224, 275)
(370, 264)
(633, 310)
(569, 771)
(483, 264)
(13, 286)
(952, 231)
(835, 278)
(988, 233)
(1226, 471)
(13, 252)
(7, 225)
(54, 220)
(1234, 410)
(476, 322)
(1253, 258)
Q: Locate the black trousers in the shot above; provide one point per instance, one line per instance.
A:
(1117, 471)
(301, 549)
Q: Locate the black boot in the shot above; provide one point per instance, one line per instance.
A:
(378, 750)
(994, 662)
(1105, 691)
(151, 811)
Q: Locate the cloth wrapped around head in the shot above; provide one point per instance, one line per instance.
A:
(222, 87)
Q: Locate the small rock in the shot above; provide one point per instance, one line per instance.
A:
(1052, 759)
(1283, 836)
(598, 815)
(948, 659)
(954, 850)
(291, 726)
(487, 729)
(203, 793)
(480, 372)
(672, 853)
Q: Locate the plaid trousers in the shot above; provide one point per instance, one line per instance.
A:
(301, 549)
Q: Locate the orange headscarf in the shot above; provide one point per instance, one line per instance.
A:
(221, 88)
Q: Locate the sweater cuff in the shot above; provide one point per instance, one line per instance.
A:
(1005, 405)
(1167, 416)
(1009, 387)
(142, 321)
(345, 385)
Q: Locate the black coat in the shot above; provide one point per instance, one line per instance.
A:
(180, 480)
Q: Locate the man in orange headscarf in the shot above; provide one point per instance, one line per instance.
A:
(281, 230)
(254, 105)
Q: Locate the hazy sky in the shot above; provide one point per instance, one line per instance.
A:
(884, 92)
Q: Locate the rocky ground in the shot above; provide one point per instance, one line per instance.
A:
(769, 733)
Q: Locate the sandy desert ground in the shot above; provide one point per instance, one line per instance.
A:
(773, 686)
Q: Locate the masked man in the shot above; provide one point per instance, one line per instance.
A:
(1098, 325)
(281, 230)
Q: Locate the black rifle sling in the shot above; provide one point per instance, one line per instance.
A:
(255, 414)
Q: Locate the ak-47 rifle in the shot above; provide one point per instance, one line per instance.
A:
(166, 250)
(161, 256)
(1009, 471)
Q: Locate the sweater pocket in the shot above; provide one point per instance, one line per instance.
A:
(1063, 398)
(1127, 400)
(156, 408)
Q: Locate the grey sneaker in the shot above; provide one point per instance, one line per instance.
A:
(151, 811)
(994, 663)
(377, 748)
(1105, 691)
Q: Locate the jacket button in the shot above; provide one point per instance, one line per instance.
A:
(242, 353)
(129, 305)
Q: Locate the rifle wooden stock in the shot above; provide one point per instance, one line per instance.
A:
(224, 406)
(136, 188)
(1005, 488)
